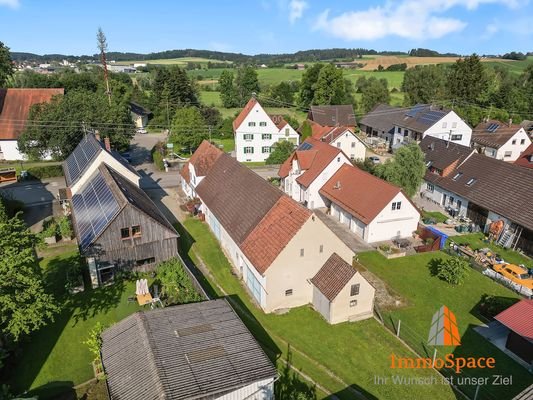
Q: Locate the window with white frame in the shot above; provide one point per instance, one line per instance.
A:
(262, 124)
(302, 252)
(353, 303)
(266, 136)
(396, 205)
(514, 141)
(523, 141)
(508, 154)
(354, 290)
(251, 123)
(266, 149)
(339, 144)
(430, 187)
(248, 136)
(444, 125)
(288, 292)
(454, 125)
(321, 248)
(457, 137)
(248, 150)
(287, 131)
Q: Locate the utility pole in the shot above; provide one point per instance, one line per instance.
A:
(102, 46)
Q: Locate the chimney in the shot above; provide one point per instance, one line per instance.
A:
(107, 144)
(97, 135)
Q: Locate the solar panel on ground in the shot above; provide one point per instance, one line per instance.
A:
(81, 157)
(415, 110)
(94, 207)
(305, 146)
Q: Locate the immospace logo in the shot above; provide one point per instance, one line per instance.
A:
(443, 331)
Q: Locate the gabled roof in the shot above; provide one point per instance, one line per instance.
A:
(84, 154)
(358, 192)
(333, 115)
(274, 232)
(278, 120)
(15, 105)
(102, 198)
(237, 196)
(494, 133)
(191, 351)
(333, 276)
(313, 157)
(441, 154)
(244, 113)
(496, 185)
(383, 118)
(518, 318)
(526, 158)
(331, 134)
(204, 158)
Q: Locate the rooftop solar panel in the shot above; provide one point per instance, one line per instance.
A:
(430, 117)
(94, 206)
(492, 127)
(305, 146)
(80, 158)
(415, 110)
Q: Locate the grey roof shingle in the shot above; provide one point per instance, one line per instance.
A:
(383, 118)
(191, 351)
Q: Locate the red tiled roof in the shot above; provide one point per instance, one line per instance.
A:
(324, 155)
(244, 113)
(15, 107)
(305, 158)
(317, 130)
(204, 158)
(358, 192)
(526, 158)
(519, 318)
(333, 276)
(184, 172)
(285, 168)
(278, 120)
(274, 232)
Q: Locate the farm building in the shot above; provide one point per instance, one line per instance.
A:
(517, 320)
(195, 351)
(15, 106)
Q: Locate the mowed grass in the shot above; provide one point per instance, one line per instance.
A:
(394, 78)
(228, 144)
(411, 278)
(55, 358)
(173, 61)
(210, 98)
(356, 352)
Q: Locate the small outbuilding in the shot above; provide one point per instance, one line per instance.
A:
(519, 320)
(340, 293)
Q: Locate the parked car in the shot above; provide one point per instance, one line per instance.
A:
(141, 130)
(374, 159)
(515, 273)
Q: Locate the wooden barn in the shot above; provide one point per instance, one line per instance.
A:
(118, 226)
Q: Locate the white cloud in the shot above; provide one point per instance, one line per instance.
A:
(10, 3)
(296, 9)
(410, 19)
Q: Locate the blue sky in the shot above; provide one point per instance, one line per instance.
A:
(267, 26)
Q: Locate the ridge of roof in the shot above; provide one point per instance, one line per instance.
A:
(325, 154)
(244, 113)
(333, 276)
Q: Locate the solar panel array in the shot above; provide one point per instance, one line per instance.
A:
(305, 146)
(415, 110)
(430, 117)
(492, 127)
(94, 206)
(81, 157)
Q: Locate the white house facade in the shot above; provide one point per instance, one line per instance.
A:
(344, 139)
(500, 140)
(256, 132)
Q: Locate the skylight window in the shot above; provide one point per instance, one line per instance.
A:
(428, 164)
(471, 181)
(457, 176)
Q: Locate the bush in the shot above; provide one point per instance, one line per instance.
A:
(50, 228)
(47, 171)
(157, 155)
(65, 227)
(177, 287)
(94, 341)
(11, 206)
(453, 270)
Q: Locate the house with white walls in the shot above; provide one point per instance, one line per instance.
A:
(256, 132)
(15, 106)
(343, 138)
(274, 244)
(194, 170)
(503, 141)
(399, 126)
(307, 169)
(373, 209)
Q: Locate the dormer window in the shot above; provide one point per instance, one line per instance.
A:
(471, 181)
(457, 176)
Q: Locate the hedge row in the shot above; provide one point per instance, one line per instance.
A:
(47, 171)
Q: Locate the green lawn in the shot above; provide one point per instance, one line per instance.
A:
(227, 143)
(55, 359)
(394, 78)
(436, 215)
(476, 242)
(355, 352)
(410, 277)
(210, 98)
(26, 164)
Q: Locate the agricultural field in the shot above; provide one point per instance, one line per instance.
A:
(173, 61)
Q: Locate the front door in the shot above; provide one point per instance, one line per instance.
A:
(444, 197)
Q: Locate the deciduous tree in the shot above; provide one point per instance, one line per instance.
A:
(424, 84)
(228, 93)
(188, 127)
(6, 65)
(246, 83)
(307, 86)
(375, 92)
(281, 151)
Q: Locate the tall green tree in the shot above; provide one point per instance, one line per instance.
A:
(172, 89)
(246, 83)
(467, 80)
(424, 84)
(376, 91)
(330, 87)
(307, 86)
(6, 64)
(228, 93)
(25, 306)
(188, 127)
(58, 126)
(406, 169)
